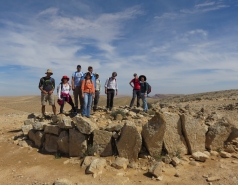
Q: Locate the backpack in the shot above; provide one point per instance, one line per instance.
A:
(149, 89)
(44, 83)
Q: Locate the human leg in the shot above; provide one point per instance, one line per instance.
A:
(81, 99)
(133, 97)
(43, 109)
(138, 97)
(90, 97)
(84, 112)
(96, 99)
(76, 96)
(112, 98)
(62, 106)
(145, 107)
(108, 99)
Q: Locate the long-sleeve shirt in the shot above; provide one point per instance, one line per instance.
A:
(143, 87)
(111, 83)
(64, 91)
(87, 86)
(98, 85)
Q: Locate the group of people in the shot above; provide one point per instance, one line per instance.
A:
(86, 90)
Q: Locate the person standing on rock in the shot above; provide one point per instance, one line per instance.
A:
(97, 91)
(76, 87)
(143, 91)
(88, 93)
(63, 92)
(110, 87)
(47, 86)
(136, 90)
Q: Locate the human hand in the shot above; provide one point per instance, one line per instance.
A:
(50, 92)
(44, 92)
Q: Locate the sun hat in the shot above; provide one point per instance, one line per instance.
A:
(49, 71)
(142, 76)
(65, 77)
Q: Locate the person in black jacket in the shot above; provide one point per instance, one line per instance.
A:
(143, 91)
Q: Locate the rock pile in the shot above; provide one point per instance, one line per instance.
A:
(162, 136)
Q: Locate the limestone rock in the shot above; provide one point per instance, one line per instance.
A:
(29, 121)
(56, 118)
(96, 167)
(175, 161)
(50, 144)
(65, 123)
(26, 129)
(39, 125)
(174, 140)
(213, 178)
(194, 132)
(217, 134)
(115, 127)
(130, 142)
(85, 125)
(102, 142)
(153, 134)
(63, 142)
(225, 154)
(120, 163)
(52, 129)
(199, 156)
(214, 153)
(77, 143)
(88, 160)
(37, 137)
(119, 117)
(63, 182)
(156, 169)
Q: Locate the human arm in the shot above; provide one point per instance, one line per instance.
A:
(72, 83)
(116, 88)
(53, 86)
(59, 91)
(82, 87)
(131, 83)
(106, 83)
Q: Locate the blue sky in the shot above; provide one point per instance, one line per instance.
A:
(184, 46)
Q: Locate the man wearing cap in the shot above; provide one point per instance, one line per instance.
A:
(110, 87)
(76, 87)
(47, 86)
(97, 91)
(136, 90)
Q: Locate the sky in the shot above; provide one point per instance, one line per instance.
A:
(182, 47)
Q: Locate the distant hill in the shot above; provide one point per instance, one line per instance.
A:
(163, 96)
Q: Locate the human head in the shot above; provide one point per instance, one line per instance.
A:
(88, 75)
(90, 69)
(114, 74)
(142, 78)
(49, 72)
(65, 79)
(135, 75)
(78, 68)
(96, 75)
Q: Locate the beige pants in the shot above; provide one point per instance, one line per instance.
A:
(47, 97)
(78, 95)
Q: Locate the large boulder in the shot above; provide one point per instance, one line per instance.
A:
(50, 144)
(77, 143)
(194, 132)
(52, 129)
(63, 142)
(102, 142)
(217, 134)
(37, 137)
(85, 125)
(130, 142)
(153, 134)
(26, 128)
(174, 140)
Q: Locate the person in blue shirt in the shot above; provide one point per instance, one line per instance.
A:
(76, 87)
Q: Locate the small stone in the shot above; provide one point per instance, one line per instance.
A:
(120, 163)
(214, 153)
(175, 161)
(199, 156)
(212, 179)
(193, 163)
(61, 182)
(160, 178)
(177, 175)
(225, 154)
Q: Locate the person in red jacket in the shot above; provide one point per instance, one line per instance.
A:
(136, 90)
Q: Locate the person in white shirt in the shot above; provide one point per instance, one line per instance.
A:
(97, 91)
(63, 92)
(110, 87)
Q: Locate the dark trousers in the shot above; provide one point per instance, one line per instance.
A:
(110, 97)
(96, 99)
(70, 102)
(135, 93)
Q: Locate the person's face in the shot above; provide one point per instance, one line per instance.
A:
(142, 79)
(114, 76)
(78, 69)
(88, 76)
(90, 70)
(135, 76)
(65, 80)
(48, 74)
(97, 76)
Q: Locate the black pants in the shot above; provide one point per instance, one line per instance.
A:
(136, 93)
(70, 102)
(96, 99)
(110, 97)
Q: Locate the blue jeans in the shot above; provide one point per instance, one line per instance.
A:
(87, 104)
(143, 97)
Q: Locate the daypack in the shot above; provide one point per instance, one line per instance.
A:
(149, 89)
(44, 82)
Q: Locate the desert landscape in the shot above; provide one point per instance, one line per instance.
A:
(25, 162)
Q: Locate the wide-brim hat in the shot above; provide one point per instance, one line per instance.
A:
(49, 71)
(65, 77)
(142, 76)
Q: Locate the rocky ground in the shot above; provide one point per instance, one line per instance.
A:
(24, 163)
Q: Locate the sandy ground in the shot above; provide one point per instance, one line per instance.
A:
(26, 166)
